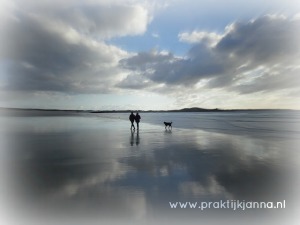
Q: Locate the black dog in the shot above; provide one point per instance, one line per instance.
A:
(168, 124)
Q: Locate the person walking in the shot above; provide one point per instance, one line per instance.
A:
(137, 119)
(132, 118)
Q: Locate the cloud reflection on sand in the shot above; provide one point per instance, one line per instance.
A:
(221, 161)
(94, 166)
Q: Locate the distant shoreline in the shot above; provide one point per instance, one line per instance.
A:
(194, 109)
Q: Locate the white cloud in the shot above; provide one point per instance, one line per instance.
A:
(210, 38)
(155, 35)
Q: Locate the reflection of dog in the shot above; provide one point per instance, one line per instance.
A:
(168, 124)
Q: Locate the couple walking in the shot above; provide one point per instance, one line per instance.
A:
(135, 118)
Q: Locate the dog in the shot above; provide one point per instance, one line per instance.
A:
(168, 124)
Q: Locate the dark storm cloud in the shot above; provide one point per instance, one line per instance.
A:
(232, 62)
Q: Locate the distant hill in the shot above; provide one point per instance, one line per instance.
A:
(195, 109)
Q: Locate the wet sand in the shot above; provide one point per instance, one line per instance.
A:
(91, 169)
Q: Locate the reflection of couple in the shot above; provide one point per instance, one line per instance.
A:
(135, 118)
(137, 141)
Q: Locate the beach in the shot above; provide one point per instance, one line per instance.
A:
(85, 167)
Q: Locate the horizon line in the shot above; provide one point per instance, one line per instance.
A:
(148, 110)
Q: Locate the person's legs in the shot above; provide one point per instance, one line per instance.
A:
(132, 125)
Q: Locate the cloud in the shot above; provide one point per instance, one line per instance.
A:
(210, 38)
(135, 82)
(103, 19)
(172, 70)
(63, 47)
(107, 21)
(268, 39)
(232, 60)
(155, 35)
(51, 48)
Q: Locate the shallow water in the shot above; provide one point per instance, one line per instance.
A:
(93, 166)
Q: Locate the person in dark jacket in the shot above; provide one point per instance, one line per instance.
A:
(132, 118)
(137, 119)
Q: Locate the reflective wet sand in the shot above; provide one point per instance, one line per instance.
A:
(94, 169)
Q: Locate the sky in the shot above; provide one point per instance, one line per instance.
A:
(149, 54)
